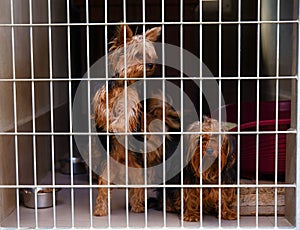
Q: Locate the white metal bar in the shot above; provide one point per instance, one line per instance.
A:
(282, 77)
(15, 112)
(51, 112)
(107, 113)
(149, 133)
(150, 23)
(257, 160)
(89, 108)
(70, 111)
(239, 111)
(181, 112)
(145, 112)
(276, 112)
(257, 114)
(163, 77)
(220, 115)
(200, 105)
(297, 157)
(67, 186)
(164, 143)
(126, 116)
(33, 112)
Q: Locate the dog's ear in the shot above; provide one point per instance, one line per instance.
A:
(228, 150)
(153, 34)
(119, 38)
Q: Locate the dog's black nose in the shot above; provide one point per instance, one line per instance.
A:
(150, 65)
(209, 151)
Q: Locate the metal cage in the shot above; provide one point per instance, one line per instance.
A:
(48, 49)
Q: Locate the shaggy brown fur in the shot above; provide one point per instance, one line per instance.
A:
(117, 113)
(210, 175)
(210, 172)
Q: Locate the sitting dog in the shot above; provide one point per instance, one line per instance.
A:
(211, 154)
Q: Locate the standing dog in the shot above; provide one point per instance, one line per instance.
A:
(127, 65)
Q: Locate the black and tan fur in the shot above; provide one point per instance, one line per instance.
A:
(210, 175)
(134, 112)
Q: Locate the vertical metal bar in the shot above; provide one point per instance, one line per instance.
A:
(107, 113)
(51, 111)
(257, 161)
(220, 118)
(200, 106)
(164, 138)
(70, 112)
(126, 117)
(239, 110)
(181, 106)
(297, 157)
(276, 113)
(257, 113)
(15, 110)
(33, 111)
(145, 111)
(163, 78)
(89, 106)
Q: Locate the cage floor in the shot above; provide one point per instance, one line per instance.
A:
(82, 217)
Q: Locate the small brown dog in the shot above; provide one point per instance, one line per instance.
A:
(124, 120)
(210, 174)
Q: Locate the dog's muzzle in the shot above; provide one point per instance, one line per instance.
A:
(209, 151)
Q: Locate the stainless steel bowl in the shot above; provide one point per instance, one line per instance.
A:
(78, 166)
(44, 197)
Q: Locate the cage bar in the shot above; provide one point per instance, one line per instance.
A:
(220, 115)
(107, 111)
(70, 112)
(32, 69)
(200, 104)
(15, 113)
(239, 108)
(257, 112)
(163, 95)
(51, 113)
(276, 112)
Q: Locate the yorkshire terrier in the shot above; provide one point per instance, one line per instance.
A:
(210, 175)
(138, 48)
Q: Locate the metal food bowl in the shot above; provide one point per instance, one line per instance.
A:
(44, 197)
(78, 166)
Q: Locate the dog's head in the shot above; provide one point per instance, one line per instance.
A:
(136, 45)
(214, 145)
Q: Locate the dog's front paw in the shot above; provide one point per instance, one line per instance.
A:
(100, 209)
(100, 212)
(191, 217)
(229, 214)
(137, 207)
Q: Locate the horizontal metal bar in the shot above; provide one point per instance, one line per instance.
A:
(148, 23)
(138, 133)
(149, 79)
(67, 186)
